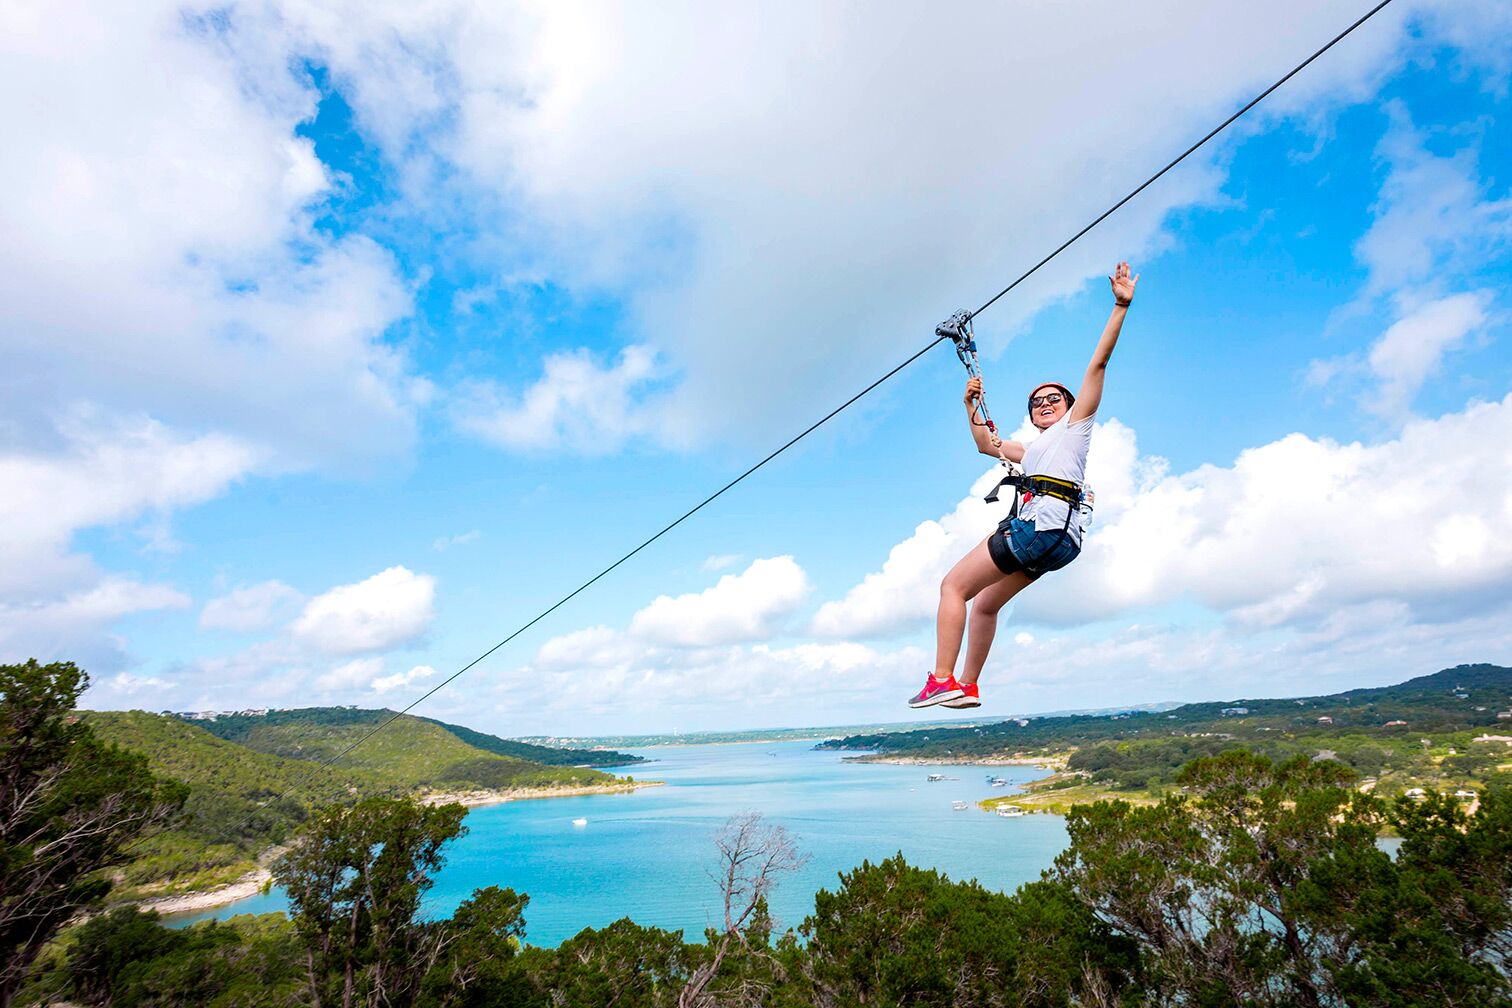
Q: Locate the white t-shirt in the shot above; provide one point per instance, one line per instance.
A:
(1060, 451)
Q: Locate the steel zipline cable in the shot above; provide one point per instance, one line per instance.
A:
(332, 761)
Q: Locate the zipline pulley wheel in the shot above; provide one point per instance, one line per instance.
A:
(958, 329)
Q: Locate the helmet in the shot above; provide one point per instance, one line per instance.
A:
(1070, 399)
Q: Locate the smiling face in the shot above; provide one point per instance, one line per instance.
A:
(1047, 404)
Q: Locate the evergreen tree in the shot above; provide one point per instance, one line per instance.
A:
(355, 877)
(897, 935)
(69, 808)
(1264, 885)
(479, 963)
(624, 965)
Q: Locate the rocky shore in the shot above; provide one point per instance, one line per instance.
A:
(472, 799)
(191, 902)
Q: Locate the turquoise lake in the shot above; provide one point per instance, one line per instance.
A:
(648, 855)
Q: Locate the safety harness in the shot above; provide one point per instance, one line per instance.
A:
(1077, 496)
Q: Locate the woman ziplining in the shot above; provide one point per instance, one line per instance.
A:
(958, 329)
(1042, 532)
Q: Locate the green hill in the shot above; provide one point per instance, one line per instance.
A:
(414, 752)
(1419, 733)
(252, 780)
(240, 801)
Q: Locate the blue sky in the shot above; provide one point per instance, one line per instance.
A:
(335, 346)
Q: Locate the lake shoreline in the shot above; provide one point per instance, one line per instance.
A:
(254, 882)
(478, 798)
(1056, 761)
(247, 886)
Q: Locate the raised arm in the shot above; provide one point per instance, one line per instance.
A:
(987, 443)
(1090, 395)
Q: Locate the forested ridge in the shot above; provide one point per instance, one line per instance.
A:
(1439, 730)
(301, 725)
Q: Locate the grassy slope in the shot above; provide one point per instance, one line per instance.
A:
(235, 808)
(413, 752)
(250, 790)
(187, 752)
(418, 751)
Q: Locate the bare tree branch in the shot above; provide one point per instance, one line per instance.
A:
(752, 856)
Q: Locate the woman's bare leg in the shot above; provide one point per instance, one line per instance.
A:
(982, 626)
(971, 574)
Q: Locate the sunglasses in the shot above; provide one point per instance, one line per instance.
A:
(1050, 398)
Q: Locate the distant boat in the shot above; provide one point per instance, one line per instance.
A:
(935, 777)
(1010, 811)
(959, 806)
(580, 822)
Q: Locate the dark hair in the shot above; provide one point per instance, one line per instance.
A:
(1070, 399)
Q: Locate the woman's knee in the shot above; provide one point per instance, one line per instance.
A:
(952, 590)
(958, 587)
(985, 609)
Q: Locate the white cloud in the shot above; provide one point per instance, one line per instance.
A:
(590, 646)
(747, 606)
(721, 561)
(704, 650)
(1288, 533)
(100, 472)
(116, 597)
(126, 683)
(1412, 350)
(577, 403)
(565, 130)
(366, 674)
(1434, 222)
(1433, 216)
(160, 254)
(75, 626)
(616, 673)
(97, 472)
(250, 608)
(383, 613)
(390, 608)
(398, 679)
(358, 673)
(1303, 526)
(444, 543)
(179, 321)
(1477, 29)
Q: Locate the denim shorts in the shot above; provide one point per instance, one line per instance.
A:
(1018, 546)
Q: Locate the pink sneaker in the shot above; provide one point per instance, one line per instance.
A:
(969, 697)
(936, 691)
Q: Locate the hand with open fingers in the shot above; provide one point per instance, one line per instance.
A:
(973, 391)
(1123, 284)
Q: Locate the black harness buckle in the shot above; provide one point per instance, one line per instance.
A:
(1040, 486)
